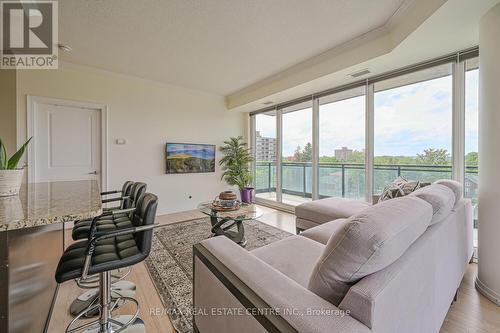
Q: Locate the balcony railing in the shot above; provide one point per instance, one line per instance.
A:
(348, 179)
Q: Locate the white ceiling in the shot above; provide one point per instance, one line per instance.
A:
(216, 46)
(452, 27)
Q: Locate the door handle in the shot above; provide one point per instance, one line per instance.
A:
(93, 173)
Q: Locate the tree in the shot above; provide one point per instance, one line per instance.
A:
(307, 153)
(395, 160)
(328, 159)
(472, 158)
(297, 155)
(356, 157)
(303, 155)
(432, 156)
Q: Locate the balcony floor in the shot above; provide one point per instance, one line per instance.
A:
(288, 199)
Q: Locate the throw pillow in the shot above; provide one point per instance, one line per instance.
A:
(400, 187)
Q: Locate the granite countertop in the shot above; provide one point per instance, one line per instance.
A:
(50, 202)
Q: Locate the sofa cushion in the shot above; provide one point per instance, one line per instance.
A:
(453, 185)
(294, 256)
(440, 197)
(369, 242)
(323, 232)
(329, 209)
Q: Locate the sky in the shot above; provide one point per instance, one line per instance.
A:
(471, 111)
(408, 119)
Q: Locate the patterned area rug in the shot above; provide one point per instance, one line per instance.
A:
(171, 262)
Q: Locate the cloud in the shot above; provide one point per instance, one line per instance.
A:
(412, 118)
(471, 111)
(266, 125)
(297, 130)
(342, 124)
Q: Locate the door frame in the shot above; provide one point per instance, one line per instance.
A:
(33, 101)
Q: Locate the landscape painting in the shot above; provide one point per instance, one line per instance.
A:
(190, 158)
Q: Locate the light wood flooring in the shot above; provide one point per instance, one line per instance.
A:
(472, 313)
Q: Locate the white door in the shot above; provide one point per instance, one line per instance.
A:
(67, 142)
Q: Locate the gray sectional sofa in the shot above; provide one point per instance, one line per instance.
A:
(390, 267)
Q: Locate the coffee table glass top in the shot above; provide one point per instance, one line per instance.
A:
(245, 212)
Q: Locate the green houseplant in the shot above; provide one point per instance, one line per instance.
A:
(235, 166)
(10, 175)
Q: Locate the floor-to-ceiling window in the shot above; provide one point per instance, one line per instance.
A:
(413, 127)
(342, 144)
(471, 159)
(265, 150)
(351, 142)
(296, 153)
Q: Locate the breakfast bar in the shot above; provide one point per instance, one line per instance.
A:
(31, 242)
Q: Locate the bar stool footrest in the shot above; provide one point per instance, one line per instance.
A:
(90, 297)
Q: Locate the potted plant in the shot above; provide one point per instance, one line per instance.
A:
(11, 177)
(235, 166)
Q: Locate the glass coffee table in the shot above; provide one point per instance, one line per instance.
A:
(230, 223)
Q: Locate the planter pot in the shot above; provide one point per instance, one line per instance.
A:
(247, 195)
(10, 182)
(12, 207)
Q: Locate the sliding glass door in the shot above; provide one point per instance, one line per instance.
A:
(342, 144)
(265, 152)
(296, 153)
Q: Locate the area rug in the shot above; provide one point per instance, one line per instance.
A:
(170, 263)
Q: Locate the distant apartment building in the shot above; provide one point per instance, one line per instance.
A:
(265, 148)
(343, 154)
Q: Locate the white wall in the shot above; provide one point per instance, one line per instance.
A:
(8, 109)
(146, 114)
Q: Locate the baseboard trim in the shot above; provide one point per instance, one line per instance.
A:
(487, 292)
(275, 205)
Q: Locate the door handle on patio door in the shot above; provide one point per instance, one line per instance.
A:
(93, 173)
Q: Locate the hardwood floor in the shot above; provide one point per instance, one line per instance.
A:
(470, 314)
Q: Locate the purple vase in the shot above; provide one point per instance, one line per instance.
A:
(247, 195)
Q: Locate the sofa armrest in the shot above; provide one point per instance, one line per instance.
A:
(312, 213)
(227, 276)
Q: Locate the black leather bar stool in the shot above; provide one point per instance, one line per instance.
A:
(109, 221)
(106, 251)
(124, 195)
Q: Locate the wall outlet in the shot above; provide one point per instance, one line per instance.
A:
(120, 141)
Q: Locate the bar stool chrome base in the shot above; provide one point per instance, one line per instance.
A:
(106, 323)
(91, 297)
(117, 322)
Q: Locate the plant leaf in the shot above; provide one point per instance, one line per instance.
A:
(235, 162)
(3, 156)
(14, 160)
